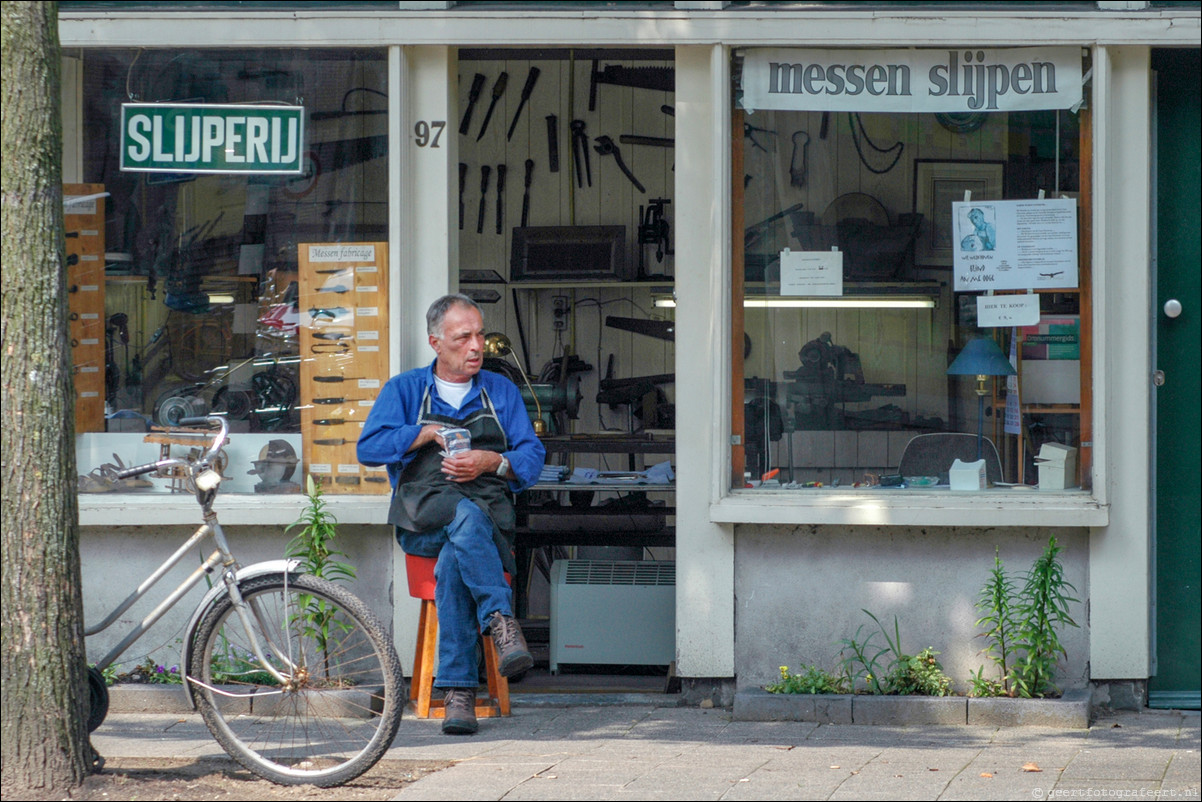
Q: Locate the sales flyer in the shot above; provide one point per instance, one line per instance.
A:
(1015, 245)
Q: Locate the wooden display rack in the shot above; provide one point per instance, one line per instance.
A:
(83, 224)
(343, 305)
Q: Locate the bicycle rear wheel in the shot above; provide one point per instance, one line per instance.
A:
(341, 707)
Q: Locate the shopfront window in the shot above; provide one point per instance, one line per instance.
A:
(228, 249)
(910, 235)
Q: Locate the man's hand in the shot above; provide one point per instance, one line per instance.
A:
(469, 465)
(428, 434)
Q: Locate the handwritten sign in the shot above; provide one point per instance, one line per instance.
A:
(1007, 310)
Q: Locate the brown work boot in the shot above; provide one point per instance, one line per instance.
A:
(512, 654)
(459, 708)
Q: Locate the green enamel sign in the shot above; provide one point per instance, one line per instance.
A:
(211, 138)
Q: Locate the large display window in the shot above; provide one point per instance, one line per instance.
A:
(230, 244)
(911, 290)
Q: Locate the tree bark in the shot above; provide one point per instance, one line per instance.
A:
(42, 709)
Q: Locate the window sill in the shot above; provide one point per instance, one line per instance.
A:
(128, 509)
(874, 507)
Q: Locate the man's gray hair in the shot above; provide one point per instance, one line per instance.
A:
(438, 311)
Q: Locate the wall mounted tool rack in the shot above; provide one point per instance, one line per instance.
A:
(83, 224)
(343, 304)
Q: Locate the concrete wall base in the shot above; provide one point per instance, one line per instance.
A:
(1120, 694)
(1071, 711)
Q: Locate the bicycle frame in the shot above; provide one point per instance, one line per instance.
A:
(231, 573)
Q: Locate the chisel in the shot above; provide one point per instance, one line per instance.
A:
(526, 194)
(501, 170)
(484, 171)
(462, 186)
(526, 90)
(498, 89)
(472, 96)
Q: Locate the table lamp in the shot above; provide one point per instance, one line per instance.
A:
(498, 345)
(982, 358)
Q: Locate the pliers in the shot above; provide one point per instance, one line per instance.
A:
(606, 147)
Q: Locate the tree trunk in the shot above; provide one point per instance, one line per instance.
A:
(42, 709)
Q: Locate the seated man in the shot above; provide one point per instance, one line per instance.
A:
(458, 508)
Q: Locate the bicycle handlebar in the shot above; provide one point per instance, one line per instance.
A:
(209, 455)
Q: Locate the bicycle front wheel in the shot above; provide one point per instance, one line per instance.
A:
(339, 709)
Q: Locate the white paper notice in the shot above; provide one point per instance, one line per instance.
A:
(811, 272)
(1015, 245)
(1008, 310)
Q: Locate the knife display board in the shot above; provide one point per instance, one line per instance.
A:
(83, 224)
(343, 305)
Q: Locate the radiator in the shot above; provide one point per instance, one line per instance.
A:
(613, 612)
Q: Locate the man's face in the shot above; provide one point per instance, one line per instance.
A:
(460, 349)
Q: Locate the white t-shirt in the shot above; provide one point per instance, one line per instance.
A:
(452, 392)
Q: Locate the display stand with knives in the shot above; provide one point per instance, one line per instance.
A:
(344, 358)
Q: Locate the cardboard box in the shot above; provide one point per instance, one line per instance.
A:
(1050, 381)
(967, 475)
(1057, 466)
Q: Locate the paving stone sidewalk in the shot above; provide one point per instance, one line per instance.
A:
(648, 752)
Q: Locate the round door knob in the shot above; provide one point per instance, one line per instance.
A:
(1172, 307)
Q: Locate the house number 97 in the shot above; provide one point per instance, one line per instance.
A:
(428, 133)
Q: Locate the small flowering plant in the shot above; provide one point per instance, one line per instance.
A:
(158, 674)
(811, 679)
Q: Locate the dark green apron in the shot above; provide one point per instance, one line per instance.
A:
(425, 499)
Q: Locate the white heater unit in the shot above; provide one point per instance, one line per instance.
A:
(613, 612)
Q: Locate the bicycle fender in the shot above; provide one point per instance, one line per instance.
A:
(291, 566)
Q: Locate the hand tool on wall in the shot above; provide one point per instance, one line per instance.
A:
(498, 89)
(462, 186)
(526, 192)
(473, 95)
(553, 142)
(606, 147)
(580, 154)
(531, 78)
(484, 172)
(749, 132)
(501, 170)
(654, 141)
(797, 165)
(659, 78)
(659, 329)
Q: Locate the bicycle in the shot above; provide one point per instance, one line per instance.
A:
(293, 674)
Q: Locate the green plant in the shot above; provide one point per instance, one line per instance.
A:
(312, 547)
(312, 544)
(996, 601)
(920, 674)
(159, 674)
(980, 685)
(868, 667)
(812, 679)
(1041, 610)
(110, 674)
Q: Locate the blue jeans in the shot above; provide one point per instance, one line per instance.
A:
(469, 586)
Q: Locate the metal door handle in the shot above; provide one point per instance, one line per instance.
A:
(1158, 378)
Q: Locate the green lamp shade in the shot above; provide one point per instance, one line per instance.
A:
(981, 357)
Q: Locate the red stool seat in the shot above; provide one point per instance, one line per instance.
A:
(420, 571)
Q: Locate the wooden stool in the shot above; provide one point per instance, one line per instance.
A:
(421, 586)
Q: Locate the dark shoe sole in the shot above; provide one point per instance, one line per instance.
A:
(516, 663)
(460, 726)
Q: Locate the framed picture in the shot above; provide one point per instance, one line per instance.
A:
(936, 185)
